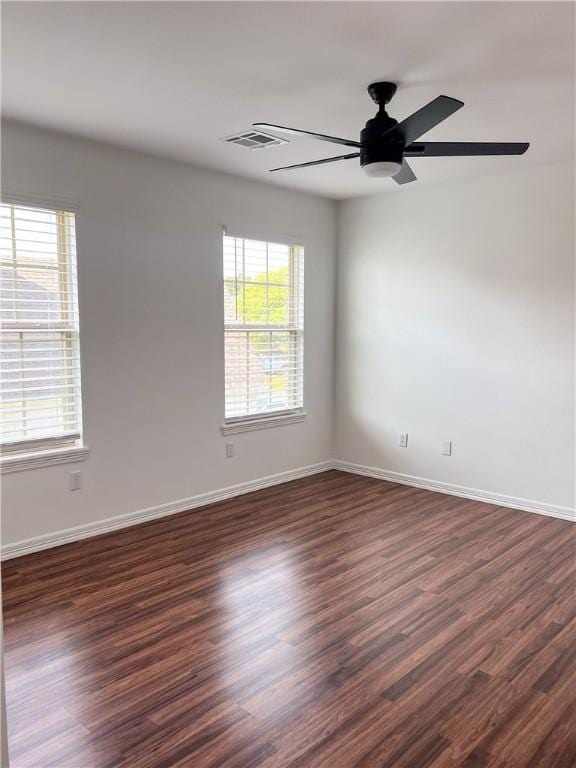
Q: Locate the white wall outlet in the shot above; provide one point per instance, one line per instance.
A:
(447, 448)
(75, 481)
(229, 450)
(403, 439)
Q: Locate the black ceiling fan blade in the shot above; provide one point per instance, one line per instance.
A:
(298, 132)
(317, 162)
(405, 175)
(426, 118)
(464, 148)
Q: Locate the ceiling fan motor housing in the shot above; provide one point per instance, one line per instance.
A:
(373, 149)
(377, 157)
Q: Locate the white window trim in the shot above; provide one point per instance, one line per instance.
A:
(61, 452)
(23, 461)
(266, 421)
(252, 422)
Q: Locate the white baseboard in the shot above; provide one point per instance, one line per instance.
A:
(38, 543)
(527, 505)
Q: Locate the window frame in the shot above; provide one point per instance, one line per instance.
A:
(28, 453)
(295, 328)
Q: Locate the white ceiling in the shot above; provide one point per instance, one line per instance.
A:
(170, 78)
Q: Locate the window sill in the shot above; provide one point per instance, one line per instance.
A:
(19, 463)
(264, 422)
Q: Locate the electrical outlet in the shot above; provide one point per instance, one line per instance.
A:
(229, 450)
(404, 440)
(447, 448)
(75, 481)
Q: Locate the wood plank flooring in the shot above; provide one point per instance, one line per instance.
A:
(331, 622)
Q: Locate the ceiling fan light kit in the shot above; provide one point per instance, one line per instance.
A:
(381, 168)
(385, 143)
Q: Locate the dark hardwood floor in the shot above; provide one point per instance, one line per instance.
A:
(334, 621)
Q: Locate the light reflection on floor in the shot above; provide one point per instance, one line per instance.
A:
(258, 598)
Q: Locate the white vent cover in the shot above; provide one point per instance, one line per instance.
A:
(254, 140)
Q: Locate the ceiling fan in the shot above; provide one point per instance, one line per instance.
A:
(385, 143)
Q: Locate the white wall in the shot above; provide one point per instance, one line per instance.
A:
(456, 322)
(151, 313)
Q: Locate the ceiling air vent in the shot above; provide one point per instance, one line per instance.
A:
(254, 140)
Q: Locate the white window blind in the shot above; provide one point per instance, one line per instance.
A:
(264, 327)
(40, 356)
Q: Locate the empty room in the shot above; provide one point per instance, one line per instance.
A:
(288, 384)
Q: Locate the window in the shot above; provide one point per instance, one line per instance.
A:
(264, 328)
(40, 357)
